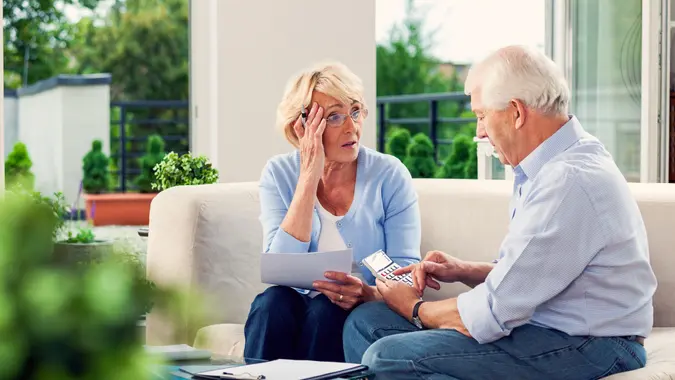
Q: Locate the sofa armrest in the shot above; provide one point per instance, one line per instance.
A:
(204, 240)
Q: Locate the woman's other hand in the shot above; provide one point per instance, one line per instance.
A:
(344, 290)
(312, 154)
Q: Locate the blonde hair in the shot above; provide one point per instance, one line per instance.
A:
(331, 78)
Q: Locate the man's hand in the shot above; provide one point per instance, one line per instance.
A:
(347, 291)
(400, 297)
(436, 266)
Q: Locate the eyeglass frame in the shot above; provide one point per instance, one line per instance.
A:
(343, 117)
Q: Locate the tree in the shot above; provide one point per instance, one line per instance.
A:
(406, 66)
(18, 168)
(39, 32)
(95, 174)
(420, 157)
(455, 165)
(397, 144)
(154, 156)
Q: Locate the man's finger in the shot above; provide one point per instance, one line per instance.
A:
(419, 279)
(433, 283)
(404, 270)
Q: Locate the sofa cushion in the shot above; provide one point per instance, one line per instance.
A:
(227, 340)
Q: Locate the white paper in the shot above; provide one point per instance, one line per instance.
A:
(300, 270)
(283, 369)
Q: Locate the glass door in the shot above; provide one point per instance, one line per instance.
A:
(605, 69)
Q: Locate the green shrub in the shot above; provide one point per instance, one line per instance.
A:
(420, 157)
(398, 142)
(154, 155)
(18, 168)
(183, 170)
(65, 321)
(96, 176)
(455, 164)
(471, 168)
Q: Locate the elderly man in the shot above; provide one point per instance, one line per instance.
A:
(570, 295)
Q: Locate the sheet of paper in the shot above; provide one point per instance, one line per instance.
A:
(283, 369)
(300, 270)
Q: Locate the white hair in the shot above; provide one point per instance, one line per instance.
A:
(523, 73)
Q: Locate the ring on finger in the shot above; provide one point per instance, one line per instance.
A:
(341, 297)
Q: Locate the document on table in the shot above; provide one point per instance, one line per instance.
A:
(283, 369)
(300, 270)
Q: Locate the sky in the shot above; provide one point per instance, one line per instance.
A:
(466, 30)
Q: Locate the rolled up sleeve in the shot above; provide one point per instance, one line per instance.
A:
(557, 234)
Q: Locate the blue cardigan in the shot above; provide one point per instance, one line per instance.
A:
(384, 214)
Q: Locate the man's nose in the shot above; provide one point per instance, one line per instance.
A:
(480, 131)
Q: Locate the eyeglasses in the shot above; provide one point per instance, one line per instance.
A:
(337, 119)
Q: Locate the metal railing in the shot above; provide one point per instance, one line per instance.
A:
(135, 122)
(434, 120)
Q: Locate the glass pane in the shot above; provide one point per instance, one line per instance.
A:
(606, 76)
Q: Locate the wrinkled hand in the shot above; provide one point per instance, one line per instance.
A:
(436, 266)
(347, 292)
(400, 297)
(312, 154)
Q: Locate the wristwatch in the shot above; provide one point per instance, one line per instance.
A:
(415, 315)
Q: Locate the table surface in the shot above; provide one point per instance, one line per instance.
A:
(173, 372)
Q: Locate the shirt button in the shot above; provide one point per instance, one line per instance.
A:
(349, 245)
(339, 224)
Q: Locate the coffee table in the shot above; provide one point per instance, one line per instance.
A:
(173, 372)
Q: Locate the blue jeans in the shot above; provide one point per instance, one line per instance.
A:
(395, 349)
(284, 324)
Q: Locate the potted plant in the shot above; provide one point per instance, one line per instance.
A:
(104, 207)
(82, 247)
(184, 170)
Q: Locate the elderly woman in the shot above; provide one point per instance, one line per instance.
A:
(331, 193)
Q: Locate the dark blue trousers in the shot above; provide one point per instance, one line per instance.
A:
(284, 324)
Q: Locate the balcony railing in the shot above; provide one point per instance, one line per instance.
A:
(434, 121)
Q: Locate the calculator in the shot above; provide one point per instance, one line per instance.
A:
(383, 267)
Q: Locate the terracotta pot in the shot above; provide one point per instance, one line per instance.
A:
(128, 209)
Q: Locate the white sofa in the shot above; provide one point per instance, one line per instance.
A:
(208, 239)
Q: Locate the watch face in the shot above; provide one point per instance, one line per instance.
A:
(418, 323)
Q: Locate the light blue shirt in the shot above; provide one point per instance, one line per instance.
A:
(383, 215)
(575, 257)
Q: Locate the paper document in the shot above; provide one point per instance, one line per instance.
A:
(300, 270)
(283, 369)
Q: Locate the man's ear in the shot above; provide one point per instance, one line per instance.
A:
(520, 114)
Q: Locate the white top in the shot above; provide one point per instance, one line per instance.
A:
(330, 239)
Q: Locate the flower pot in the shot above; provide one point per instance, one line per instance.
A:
(82, 252)
(127, 209)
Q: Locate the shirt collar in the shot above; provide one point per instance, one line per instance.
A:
(557, 143)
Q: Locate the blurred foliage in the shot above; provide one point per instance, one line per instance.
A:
(397, 143)
(420, 157)
(461, 161)
(152, 158)
(95, 173)
(175, 170)
(18, 168)
(65, 321)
